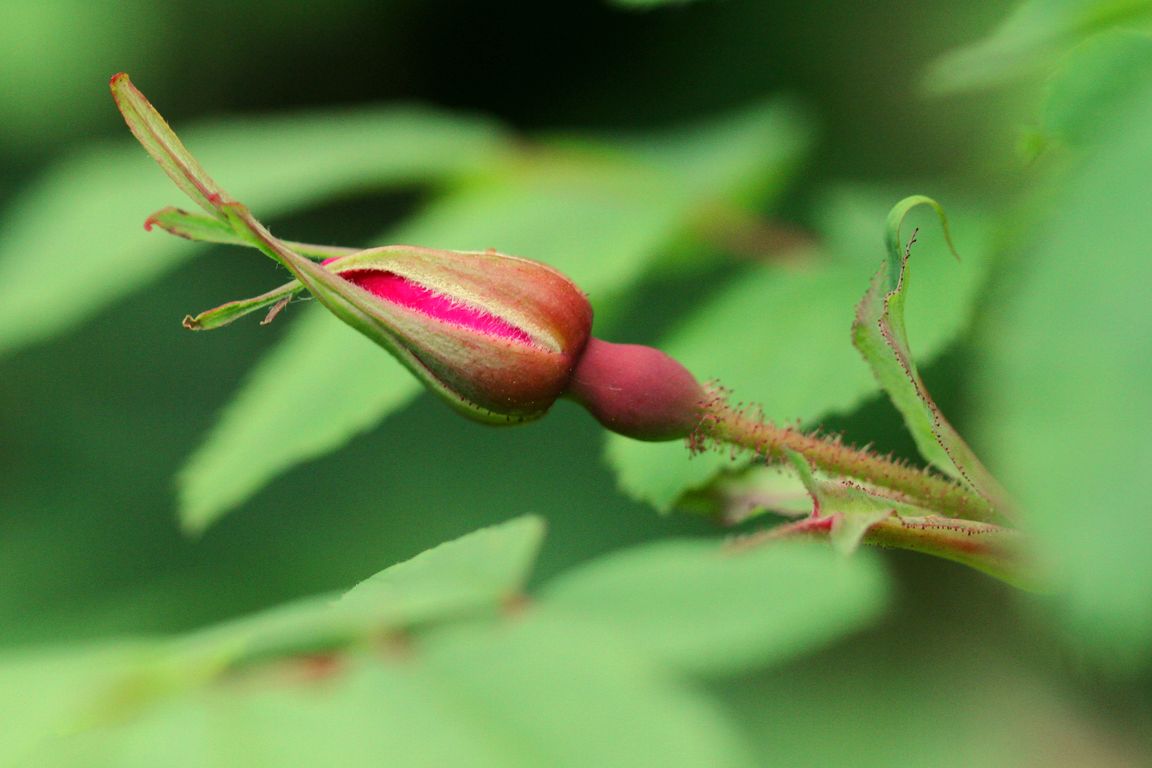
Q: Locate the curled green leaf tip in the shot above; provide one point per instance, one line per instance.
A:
(895, 243)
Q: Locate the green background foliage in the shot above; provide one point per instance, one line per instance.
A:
(190, 523)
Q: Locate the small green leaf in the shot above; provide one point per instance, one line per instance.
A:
(733, 497)
(778, 336)
(880, 333)
(854, 509)
(700, 608)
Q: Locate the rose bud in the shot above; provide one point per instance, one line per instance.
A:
(501, 338)
(496, 336)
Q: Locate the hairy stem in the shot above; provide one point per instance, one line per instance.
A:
(739, 427)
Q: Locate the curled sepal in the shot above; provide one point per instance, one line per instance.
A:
(153, 132)
(879, 334)
(206, 229)
(217, 317)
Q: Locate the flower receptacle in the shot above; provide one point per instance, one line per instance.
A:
(637, 391)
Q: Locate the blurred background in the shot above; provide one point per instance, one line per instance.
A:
(105, 397)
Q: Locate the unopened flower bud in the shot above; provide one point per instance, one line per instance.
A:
(496, 336)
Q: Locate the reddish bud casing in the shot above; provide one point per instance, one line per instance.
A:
(496, 336)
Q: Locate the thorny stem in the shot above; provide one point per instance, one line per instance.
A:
(723, 423)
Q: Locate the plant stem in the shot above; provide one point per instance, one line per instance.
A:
(735, 426)
(997, 551)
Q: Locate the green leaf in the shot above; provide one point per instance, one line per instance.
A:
(539, 692)
(480, 572)
(47, 692)
(1097, 78)
(53, 693)
(341, 380)
(562, 691)
(55, 56)
(370, 714)
(880, 333)
(599, 212)
(880, 704)
(73, 243)
(700, 608)
(487, 567)
(1030, 40)
(778, 336)
(1066, 373)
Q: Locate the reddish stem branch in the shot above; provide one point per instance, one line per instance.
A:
(999, 552)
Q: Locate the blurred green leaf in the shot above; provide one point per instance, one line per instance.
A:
(696, 607)
(543, 687)
(599, 212)
(481, 571)
(1066, 376)
(779, 336)
(487, 567)
(44, 693)
(73, 243)
(537, 692)
(372, 714)
(1030, 40)
(55, 55)
(564, 692)
(880, 708)
(1097, 78)
(315, 390)
(47, 694)
(732, 497)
